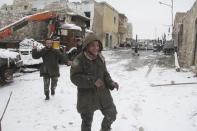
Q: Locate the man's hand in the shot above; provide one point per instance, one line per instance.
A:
(99, 83)
(34, 46)
(115, 85)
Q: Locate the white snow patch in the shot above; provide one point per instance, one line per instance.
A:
(71, 27)
(8, 54)
(28, 44)
(25, 48)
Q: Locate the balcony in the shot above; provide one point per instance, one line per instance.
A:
(122, 29)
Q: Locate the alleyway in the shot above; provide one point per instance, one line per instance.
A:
(139, 105)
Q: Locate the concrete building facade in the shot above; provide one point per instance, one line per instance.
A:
(104, 20)
(18, 6)
(185, 35)
(178, 32)
(122, 29)
(106, 24)
(84, 8)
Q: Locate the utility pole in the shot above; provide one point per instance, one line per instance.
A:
(172, 12)
(175, 53)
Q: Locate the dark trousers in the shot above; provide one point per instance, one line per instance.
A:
(136, 50)
(48, 81)
(86, 121)
(109, 118)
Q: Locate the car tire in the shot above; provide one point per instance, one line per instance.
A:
(7, 75)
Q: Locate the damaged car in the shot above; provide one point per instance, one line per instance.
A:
(10, 62)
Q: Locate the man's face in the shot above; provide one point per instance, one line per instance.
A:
(93, 48)
(79, 42)
(49, 43)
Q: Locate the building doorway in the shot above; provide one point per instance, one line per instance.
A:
(106, 40)
(195, 46)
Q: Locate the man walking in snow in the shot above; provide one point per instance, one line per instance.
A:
(49, 69)
(90, 75)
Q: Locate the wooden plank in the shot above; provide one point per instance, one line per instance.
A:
(6, 107)
(173, 84)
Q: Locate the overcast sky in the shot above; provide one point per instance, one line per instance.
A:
(149, 18)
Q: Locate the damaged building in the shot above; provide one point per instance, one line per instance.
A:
(37, 30)
(110, 25)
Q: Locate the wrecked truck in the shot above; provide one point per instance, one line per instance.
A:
(10, 62)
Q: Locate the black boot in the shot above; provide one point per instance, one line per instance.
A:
(105, 129)
(52, 92)
(47, 95)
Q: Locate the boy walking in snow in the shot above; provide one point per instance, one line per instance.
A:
(90, 75)
(49, 69)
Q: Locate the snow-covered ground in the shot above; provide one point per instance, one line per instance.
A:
(140, 106)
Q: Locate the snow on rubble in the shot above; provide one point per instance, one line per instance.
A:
(25, 48)
(28, 44)
(7, 54)
(139, 105)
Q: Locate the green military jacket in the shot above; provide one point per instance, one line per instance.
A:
(51, 59)
(84, 73)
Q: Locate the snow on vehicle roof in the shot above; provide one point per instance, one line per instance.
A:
(89, 31)
(7, 54)
(28, 44)
(71, 27)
